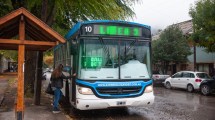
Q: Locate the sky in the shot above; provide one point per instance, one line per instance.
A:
(161, 13)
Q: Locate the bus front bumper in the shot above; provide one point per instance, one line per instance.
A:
(88, 104)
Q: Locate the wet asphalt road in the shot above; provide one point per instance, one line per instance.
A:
(174, 104)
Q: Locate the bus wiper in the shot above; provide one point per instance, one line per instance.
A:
(128, 48)
(106, 50)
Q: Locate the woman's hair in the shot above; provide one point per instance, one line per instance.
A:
(57, 71)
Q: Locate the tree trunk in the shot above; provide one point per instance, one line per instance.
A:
(30, 63)
(38, 80)
(167, 67)
(166, 64)
(47, 15)
(30, 70)
(162, 67)
(50, 19)
(44, 10)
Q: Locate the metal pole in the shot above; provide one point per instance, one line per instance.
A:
(194, 50)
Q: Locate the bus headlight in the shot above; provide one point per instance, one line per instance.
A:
(84, 90)
(148, 89)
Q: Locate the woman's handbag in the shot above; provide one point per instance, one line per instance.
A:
(49, 90)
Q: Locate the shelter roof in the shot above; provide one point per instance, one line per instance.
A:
(38, 35)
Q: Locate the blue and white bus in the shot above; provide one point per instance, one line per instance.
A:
(112, 62)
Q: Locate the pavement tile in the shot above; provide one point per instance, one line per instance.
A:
(3, 87)
(31, 112)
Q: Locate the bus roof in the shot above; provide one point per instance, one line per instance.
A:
(79, 24)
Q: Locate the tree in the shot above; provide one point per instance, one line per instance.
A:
(9, 54)
(63, 14)
(171, 47)
(48, 61)
(203, 15)
(5, 7)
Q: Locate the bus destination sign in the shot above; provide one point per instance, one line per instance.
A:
(112, 30)
(91, 62)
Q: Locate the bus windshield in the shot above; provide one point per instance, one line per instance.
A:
(114, 59)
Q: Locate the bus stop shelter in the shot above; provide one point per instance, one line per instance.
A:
(20, 30)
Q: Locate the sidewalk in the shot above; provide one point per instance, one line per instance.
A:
(3, 87)
(8, 92)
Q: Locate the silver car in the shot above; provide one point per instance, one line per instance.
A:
(187, 80)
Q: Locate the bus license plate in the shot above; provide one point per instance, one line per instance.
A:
(120, 103)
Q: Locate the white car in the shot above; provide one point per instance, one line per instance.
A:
(187, 80)
(159, 78)
(47, 73)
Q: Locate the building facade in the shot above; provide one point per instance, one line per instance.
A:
(205, 62)
(3, 64)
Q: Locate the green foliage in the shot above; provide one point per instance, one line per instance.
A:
(49, 53)
(9, 54)
(63, 14)
(203, 15)
(5, 7)
(171, 47)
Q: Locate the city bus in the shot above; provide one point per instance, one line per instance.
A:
(111, 61)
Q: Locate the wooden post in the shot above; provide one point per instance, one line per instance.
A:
(20, 84)
(38, 80)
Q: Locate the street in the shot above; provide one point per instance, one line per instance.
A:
(174, 104)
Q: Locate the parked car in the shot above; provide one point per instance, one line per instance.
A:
(207, 87)
(159, 78)
(47, 73)
(187, 80)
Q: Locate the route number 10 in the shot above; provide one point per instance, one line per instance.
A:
(88, 29)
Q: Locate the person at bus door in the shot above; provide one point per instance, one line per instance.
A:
(57, 77)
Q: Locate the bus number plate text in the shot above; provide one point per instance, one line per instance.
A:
(120, 103)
